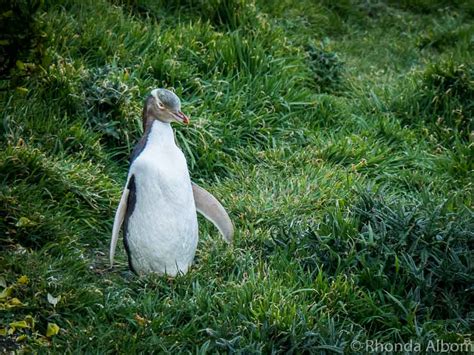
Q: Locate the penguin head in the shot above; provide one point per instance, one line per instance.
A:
(165, 106)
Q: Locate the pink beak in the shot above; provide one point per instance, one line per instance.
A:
(182, 117)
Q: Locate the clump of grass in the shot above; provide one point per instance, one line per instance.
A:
(356, 11)
(224, 14)
(453, 103)
(230, 14)
(443, 98)
(432, 244)
(327, 69)
(71, 191)
(110, 100)
(417, 252)
(429, 6)
(22, 39)
(440, 37)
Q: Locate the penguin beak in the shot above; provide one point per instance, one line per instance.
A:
(181, 117)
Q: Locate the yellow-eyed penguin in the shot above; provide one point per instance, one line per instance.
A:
(159, 202)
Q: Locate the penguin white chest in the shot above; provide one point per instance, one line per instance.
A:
(162, 229)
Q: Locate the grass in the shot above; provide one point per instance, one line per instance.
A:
(338, 136)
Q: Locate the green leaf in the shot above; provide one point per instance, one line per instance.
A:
(31, 321)
(20, 65)
(25, 222)
(21, 338)
(8, 13)
(20, 324)
(21, 90)
(6, 293)
(53, 329)
(10, 303)
(15, 302)
(23, 280)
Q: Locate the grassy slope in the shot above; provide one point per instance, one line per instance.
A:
(351, 193)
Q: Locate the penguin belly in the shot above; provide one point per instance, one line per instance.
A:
(161, 233)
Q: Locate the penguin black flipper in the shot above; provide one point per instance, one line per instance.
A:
(211, 208)
(118, 220)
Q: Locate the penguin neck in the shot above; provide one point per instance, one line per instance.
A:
(160, 133)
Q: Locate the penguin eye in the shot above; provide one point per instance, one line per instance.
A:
(160, 105)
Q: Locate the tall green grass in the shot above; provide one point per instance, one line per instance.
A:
(337, 135)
